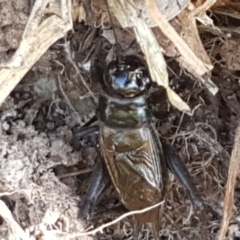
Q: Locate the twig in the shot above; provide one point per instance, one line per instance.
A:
(100, 229)
(180, 122)
(13, 192)
(72, 174)
(230, 186)
(67, 99)
(7, 216)
(69, 57)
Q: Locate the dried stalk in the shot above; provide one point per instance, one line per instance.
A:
(230, 186)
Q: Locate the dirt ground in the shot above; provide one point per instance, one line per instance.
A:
(43, 179)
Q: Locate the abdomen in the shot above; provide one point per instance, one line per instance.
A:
(136, 166)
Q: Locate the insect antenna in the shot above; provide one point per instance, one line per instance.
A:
(129, 46)
(118, 46)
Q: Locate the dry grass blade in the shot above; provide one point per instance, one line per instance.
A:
(37, 38)
(7, 216)
(230, 186)
(100, 229)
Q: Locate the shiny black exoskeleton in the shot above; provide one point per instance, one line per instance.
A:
(135, 158)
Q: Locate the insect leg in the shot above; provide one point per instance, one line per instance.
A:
(90, 121)
(178, 168)
(82, 133)
(98, 182)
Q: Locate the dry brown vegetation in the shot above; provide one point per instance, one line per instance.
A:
(46, 92)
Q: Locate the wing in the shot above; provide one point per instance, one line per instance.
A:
(136, 165)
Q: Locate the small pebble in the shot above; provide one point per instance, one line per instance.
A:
(5, 126)
(50, 125)
(26, 95)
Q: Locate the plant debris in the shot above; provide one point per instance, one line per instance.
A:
(47, 94)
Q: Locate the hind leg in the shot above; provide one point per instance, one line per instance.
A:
(99, 178)
(178, 168)
(98, 182)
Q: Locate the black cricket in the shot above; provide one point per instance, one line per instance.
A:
(136, 159)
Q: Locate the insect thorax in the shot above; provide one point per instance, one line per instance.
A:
(123, 113)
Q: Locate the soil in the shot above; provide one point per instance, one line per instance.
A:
(44, 179)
